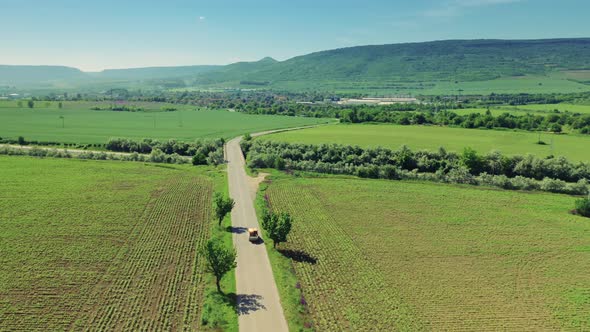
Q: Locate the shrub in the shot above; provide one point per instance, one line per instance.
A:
(583, 207)
(522, 183)
(460, 175)
(216, 158)
(552, 185)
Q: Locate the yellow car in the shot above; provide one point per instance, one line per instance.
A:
(253, 234)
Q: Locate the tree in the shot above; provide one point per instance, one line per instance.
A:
(60, 105)
(199, 159)
(30, 104)
(556, 128)
(277, 226)
(21, 141)
(223, 206)
(220, 259)
(472, 161)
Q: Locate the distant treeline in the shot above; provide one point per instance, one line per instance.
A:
(131, 108)
(509, 172)
(267, 98)
(533, 122)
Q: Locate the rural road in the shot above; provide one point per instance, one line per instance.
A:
(259, 305)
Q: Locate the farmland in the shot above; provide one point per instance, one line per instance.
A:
(521, 84)
(584, 109)
(90, 245)
(76, 123)
(372, 255)
(540, 109)
(453, 139)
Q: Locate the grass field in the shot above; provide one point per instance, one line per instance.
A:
(453, 139)
(539, 109)
(584, 109)
(555, 83)
(82, 125)
(382, 255)
(90, 245)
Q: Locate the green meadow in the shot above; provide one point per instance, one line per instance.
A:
(536, 109)
(573, 147)
(77, 123)
(554, 83)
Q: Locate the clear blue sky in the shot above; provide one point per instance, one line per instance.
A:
(93, 35)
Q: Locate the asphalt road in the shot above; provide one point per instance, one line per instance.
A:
(259, 305)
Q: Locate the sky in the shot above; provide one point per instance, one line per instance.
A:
(95, 35)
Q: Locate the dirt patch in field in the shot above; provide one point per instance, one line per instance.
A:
(255, 182)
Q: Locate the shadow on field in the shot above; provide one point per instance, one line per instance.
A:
(236, 230)
(298, 256)
(247, 304)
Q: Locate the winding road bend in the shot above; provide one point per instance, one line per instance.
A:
(259, 305)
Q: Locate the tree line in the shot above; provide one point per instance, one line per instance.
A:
(553, 122)
(554, 174)
(203, 152)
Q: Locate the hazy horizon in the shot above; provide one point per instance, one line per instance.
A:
(94, 36)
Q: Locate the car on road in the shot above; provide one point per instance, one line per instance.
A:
(253, 235)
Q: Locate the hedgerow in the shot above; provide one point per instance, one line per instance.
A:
(493, 169)
(146, 145)
(157, 156)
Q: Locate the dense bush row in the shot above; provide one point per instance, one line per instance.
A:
(509, 172)
(22, 141)
(156, 156)
(203, 151)
(550, 122)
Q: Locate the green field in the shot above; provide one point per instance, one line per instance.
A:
(103, 246)
(82, 125)
(526, 84)
(538, 109)
(381, 255)
(584, 109)
(453, 139)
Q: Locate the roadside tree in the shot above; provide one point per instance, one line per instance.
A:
(277, 226)
(223, 206)
(220, 259)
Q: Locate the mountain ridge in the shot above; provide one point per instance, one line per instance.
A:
(457, 59)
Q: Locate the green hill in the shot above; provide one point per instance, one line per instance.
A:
(439, 67)
(16, 75)
(150, 73)
(465, 60)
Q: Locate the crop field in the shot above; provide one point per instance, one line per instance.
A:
(381, 255)
(78, 124)
(574, 147)
(104, 246)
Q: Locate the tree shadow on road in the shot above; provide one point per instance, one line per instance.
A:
(237, 230)
(299, 256)
(248, 303)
